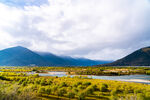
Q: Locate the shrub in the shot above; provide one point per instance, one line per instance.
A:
(89, 90)
(113, 92)
(24, 83)
(41, 90)
(63, 84)
(104, 88)
(48, 91)
(87, 83)
(81, 96)
(43, 82)
(61, 92)
(70, 95)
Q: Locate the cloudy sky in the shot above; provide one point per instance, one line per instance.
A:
(95, 29)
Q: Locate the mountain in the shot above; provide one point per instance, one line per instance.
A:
(20, 56)
(83, 61)
(69, 61)
(53, 60)
(140, 57)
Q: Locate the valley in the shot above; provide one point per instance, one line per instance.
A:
(67, 83)
(75, 83)
(31, 75)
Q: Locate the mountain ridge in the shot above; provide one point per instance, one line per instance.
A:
(140, 57)
(21, 56)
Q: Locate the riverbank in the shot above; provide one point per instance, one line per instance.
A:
(135, 80)
(126, 78)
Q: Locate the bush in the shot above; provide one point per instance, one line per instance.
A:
(41, 90)
(87, 83)
(63, 84)
(61, 92)
(75, 90)
(3, 78)
(114, 98)
(104, 88)
(81, 96)
(81, 87)
(48, 91)
(113, 92)
(70, 95)
(148, 72)
(43, 82)
(89, 90)
(140, 96)
(24, 83)
(49, 82)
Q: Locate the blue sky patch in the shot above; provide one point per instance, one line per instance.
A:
(22, 3)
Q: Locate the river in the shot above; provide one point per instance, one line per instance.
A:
(128, 78)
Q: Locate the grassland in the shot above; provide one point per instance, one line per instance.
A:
(20, 86)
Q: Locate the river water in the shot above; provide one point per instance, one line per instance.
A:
(129, 78)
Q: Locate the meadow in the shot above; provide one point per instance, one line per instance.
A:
(15, 84)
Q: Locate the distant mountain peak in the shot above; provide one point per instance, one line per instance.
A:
(20, 47)
(17, 47)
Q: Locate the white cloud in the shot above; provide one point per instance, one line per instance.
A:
(96, 29)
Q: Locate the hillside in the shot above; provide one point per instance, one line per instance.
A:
(140, 57)
(20, 56)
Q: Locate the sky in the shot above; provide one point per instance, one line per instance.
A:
(94, 29)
